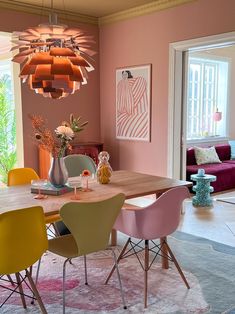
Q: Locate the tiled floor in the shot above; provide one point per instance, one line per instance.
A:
(216, 223)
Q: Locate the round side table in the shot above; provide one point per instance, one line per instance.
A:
(202, 189)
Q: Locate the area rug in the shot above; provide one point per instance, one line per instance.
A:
(208, 266)
(231, 226)
(229, 200)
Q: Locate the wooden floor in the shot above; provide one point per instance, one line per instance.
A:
(216, 223)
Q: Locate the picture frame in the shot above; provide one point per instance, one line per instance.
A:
(133, 102)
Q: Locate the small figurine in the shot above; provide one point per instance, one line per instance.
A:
(104, 169)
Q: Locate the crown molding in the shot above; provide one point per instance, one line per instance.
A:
(156, 5)
(44, 11)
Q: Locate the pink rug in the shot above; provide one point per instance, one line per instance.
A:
(167, 292)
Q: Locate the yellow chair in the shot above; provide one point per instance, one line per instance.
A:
(20, 176)
(90, 225)
(22, 243)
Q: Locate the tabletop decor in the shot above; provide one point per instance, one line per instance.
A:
(75, 183)
(56, 143)
(104, 170)
(86, 174)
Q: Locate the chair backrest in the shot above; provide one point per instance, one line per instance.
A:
(23, 238)
(91, 223)
(19, 176)
(76, 163)
(157, 220)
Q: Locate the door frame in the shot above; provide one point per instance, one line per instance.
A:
(176, 94)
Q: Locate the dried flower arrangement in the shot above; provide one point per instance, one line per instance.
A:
(56, 143)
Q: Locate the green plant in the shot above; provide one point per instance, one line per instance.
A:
(7, 128)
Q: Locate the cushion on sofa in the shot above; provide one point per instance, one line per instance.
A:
(207, 155)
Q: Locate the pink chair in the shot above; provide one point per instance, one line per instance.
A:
(156, 221)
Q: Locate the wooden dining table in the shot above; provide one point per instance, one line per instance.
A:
(131, 184)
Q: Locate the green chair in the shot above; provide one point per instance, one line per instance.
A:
(23, 240)
(90, 225)
(76, 163)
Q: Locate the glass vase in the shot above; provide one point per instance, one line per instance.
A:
(58, 174)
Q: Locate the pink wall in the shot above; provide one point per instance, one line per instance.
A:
(83, 103)
(144, 40)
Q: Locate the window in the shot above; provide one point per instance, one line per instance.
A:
(207, 93)
(11, 135)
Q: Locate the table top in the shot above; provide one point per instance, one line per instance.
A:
(209, 177)
(132, 184)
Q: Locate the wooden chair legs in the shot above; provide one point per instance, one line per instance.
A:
(10, 279)
(19, 282)
(35, 292)
(118, 260)
(18, 288)
(177, 266)
(162, 249)
(146, 268)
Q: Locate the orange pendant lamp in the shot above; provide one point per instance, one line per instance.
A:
(55, 59)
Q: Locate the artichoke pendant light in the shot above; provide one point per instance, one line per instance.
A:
(55, 59)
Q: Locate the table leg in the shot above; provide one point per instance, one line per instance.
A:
(165, 262)
(114, 237)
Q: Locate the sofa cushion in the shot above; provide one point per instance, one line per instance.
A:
(232, 145)
(223, 151)
(207, 155)
(191, 156)
(232, 162)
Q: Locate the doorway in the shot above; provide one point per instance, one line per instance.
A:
(177, 111)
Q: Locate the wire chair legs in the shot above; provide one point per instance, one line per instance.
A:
(161, 249)
(18, 288)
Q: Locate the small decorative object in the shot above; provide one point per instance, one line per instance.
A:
(74, 182)
(58, 174)
(133, 96)
(39, 184)
(85, 178)
(104, 170)
(56, 143)
(201, 172)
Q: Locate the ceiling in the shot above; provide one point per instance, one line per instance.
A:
(94, 8)
(92, 11)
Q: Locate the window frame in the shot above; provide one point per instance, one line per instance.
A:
(15, 70)
(225, 136)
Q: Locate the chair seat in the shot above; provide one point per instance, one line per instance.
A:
(64, 246)
(52, 218)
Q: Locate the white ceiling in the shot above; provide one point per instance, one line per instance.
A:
(95, 8)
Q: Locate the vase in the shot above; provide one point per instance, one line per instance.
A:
(58, 174)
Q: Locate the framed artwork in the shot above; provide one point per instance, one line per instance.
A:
(133, 88)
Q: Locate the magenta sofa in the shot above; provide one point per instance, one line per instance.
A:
(225, 171)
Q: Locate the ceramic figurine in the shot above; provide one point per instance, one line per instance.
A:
(104, 169)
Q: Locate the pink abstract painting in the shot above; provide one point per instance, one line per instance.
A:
(133, 103)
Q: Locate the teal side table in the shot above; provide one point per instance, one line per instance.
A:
(202, 189)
